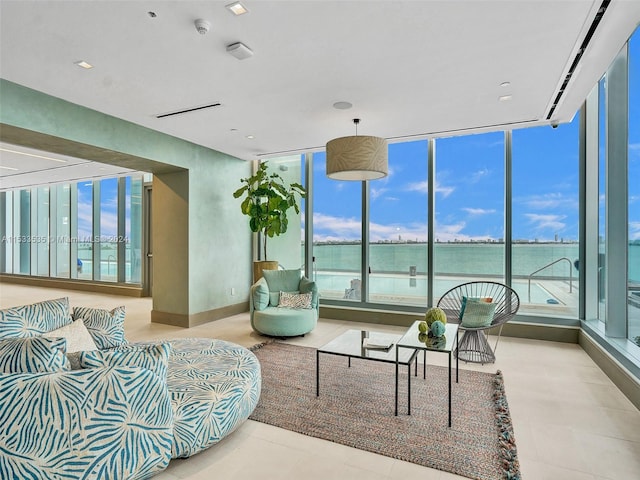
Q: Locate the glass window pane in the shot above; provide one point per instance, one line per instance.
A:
(108, 230)
(84, 263)
(63, 230)
(133, 227)
(601, 195)
(9, 240)
(22, 222)
(398, 228)
(337, 234)
(42, 234)
(634, 187)
(545, 219)
(469, 210)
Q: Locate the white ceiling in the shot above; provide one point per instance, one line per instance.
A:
(22, 167)
(410, 68)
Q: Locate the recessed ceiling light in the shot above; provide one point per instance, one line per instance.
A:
(250, 137)
(84, 64)
(237, 8)
(505, 84)
(342, 105)
(505, 98)
(34, 155)
(152, 14)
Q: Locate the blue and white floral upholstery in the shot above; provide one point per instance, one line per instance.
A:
(130, 410)
(33, 355)
(214, 387)
(106, 327)
(151, 357)
(101, 423)
(34, 319)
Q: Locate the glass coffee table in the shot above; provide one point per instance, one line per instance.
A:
(351, 344)
(412, 341)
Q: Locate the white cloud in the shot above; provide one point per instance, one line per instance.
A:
(549, 201)
(479, 175)
(423, 187)
(376, 192)
(546, 222)
(634, 230)
(479, 211)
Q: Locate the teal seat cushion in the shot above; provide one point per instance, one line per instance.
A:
(285, 322)
(281, 281)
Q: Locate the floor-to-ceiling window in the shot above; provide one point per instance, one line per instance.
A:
(398, 228)
(634, 188)
(74, 230)
(601, 196)
(62, 236)
(84, 230)
(337, 234)
(469, 210)
(545, 218)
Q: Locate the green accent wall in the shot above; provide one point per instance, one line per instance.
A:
(202, 244)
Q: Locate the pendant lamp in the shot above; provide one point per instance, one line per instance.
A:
(357, 158)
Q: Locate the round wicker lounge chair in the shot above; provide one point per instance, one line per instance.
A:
(474, 345)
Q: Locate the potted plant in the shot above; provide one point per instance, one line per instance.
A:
(266, 201)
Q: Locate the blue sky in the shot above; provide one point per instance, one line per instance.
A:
(470, 185)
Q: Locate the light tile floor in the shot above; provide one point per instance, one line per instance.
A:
(570, 421)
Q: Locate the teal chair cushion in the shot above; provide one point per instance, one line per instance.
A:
(260, 294)
(307, 286)
(281, 281)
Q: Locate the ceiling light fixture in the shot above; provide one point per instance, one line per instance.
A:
(83, 64)
(239, 50)
(505, 98)
(357, 158)
(237, 8)
(505, 84)
(33, 155)
(8, 168)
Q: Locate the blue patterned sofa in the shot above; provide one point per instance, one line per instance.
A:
(119, 416)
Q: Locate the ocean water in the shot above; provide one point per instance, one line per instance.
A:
(462, 259)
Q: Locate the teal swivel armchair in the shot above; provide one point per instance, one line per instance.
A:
(283, 303)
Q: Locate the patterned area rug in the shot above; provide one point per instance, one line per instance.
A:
(356, 408)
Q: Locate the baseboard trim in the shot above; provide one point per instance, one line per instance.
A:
(535, 331)
(195, 319)
(619, 375)
(71, 284)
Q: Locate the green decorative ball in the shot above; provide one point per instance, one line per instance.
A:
(423, 327)
(437, 328)
(435, 314)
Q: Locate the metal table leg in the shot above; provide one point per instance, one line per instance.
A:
(450, 389)
(317, 373)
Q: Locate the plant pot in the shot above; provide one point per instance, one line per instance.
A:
(258, 267)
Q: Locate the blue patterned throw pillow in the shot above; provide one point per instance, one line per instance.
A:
(478, 313)
(106, 327)
(33, 355)
(34, 319)
(151, 357)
